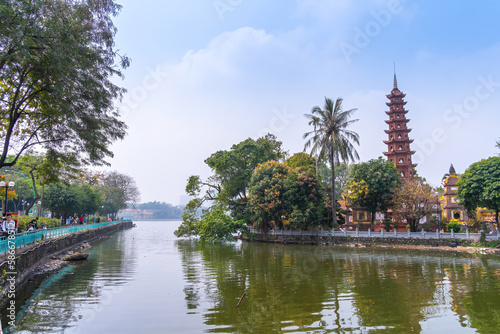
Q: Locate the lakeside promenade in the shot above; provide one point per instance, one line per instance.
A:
(24, 239)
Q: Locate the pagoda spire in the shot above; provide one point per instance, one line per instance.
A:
(395, 80)
(452, 170)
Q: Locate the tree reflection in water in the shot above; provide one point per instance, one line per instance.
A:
(293, 288)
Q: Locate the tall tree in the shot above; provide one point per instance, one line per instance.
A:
(413, 200)
(232, 171)
(479, 186)
(372, 185)
(279, 192)
(57, 92)
(61, 200)
(331, 140)
(227, 188)
(44, 169)
(131, 193)
(303, 161)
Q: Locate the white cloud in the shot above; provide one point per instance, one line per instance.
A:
(239, 84)
(233, 89)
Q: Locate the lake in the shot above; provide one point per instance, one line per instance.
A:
(145, 280)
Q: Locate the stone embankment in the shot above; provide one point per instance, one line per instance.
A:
(44, 255)
(461, 245)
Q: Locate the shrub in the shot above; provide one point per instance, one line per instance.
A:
(453, 226)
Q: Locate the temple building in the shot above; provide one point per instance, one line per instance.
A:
(398, 140)
(451, 209)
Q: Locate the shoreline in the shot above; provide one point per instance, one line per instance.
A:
(408, 244)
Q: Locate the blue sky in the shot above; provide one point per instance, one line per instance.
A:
(207, 74)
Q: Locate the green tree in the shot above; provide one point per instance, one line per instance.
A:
(113, 200)
(372, 185)
(44, 169)
(304, 199)
(232, 171)
(479, 186)
(61, 200)
(279, 192)
(89, 199)
(228, 186)
(57, 63)
(331, 140)
(303, 161)
(267, 190)
(214, 224)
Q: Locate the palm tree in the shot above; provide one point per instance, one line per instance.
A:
(331, 140)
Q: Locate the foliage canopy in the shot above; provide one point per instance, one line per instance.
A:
(372, 185)
(479, 186)
(57, 60)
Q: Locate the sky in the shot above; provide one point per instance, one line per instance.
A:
(207, 74)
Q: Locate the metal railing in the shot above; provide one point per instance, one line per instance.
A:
(381, 234)
(26, 238)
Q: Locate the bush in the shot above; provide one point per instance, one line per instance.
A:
(22, 222)
(453, 226)
(387, 222)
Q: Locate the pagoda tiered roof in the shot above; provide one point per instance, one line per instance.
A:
(390, 103)
(402, 111)
(398, 140)
(399, 152)
(395, 93)
(396, 120)
(407, 130)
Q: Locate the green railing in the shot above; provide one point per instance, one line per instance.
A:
(26, 238)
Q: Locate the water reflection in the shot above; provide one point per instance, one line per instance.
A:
(304, 289)
(77, 293)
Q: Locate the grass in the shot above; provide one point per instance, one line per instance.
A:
(488, 244)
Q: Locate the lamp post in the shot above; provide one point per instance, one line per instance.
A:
(438, 210)
(5, 185)
(24, 202)
(39, 208)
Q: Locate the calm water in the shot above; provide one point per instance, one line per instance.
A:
(145, 280)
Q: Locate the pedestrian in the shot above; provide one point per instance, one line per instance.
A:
(8, 226)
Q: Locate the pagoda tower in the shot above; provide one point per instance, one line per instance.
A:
(398, 142)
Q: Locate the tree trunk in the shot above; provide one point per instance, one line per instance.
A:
(413, 225)
(373, 220)
(334, 203)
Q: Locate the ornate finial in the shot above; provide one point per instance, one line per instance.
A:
(395, 80)
(452, 170)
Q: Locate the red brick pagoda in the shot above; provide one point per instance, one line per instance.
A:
(399, 143)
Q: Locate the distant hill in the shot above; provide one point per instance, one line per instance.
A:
(152, 210)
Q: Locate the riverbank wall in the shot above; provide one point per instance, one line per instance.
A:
(357, 241)
(14, 272)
